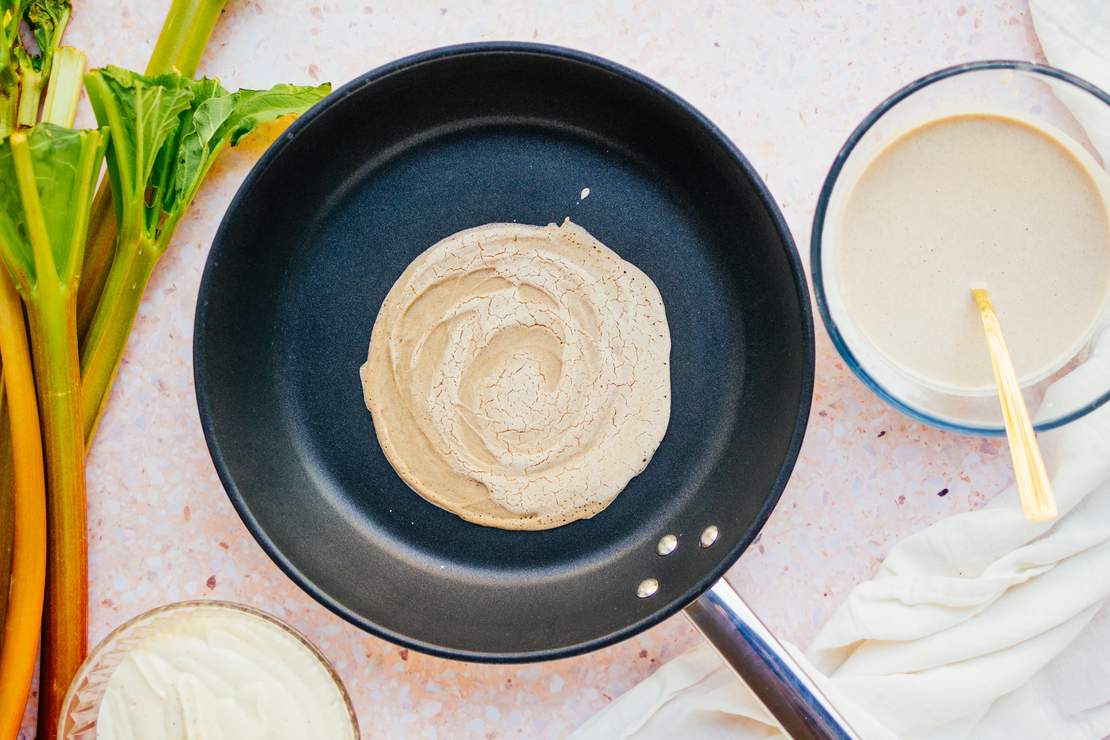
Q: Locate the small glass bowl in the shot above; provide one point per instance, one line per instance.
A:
(81, 706)
(1030, 91)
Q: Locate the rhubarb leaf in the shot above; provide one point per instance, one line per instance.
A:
(63, 167)
(219, 118)
(169, 130)
(47, 19)
(143, 114)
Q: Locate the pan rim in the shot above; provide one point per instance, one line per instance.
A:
(736, 160)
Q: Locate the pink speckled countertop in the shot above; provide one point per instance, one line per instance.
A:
(787, 80)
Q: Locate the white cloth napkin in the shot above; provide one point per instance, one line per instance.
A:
(1075, 36)
(983, 625)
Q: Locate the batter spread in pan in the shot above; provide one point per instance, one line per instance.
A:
(518, 375)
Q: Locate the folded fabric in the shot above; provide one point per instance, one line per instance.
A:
(1075, 35)
(983, 625)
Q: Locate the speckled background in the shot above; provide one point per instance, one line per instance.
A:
(787, 81)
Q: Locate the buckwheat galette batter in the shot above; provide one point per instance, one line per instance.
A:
(970, 199)
(518, 375)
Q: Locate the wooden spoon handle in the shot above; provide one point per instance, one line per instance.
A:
(1032, 479)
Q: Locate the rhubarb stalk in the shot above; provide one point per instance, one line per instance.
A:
(28, 563)
(7, 512)
(26, 66)
(185, 33)
(47, 176)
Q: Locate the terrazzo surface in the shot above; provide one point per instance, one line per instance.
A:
(787, 81)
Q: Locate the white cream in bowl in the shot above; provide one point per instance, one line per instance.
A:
(218, 672)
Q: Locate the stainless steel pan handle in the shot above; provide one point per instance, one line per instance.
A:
(760, 660)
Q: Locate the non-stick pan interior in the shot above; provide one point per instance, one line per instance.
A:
(391, 164)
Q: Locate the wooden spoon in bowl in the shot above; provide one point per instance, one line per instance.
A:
(1032, 480)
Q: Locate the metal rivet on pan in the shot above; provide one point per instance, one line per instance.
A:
(647, 588)
(667, 544)
(709, 536)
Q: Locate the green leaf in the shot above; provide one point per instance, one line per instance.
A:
(255, 107)
(186, 168)
(13, 223)
(47, 19)
(64, 165)
(167, 131)
(143, 114)
(219, 118)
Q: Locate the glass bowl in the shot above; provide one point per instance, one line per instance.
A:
(81, 706)
(1048, 96)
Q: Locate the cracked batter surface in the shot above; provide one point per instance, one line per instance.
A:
(518, 376)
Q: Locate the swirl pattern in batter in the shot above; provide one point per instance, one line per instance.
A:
(518, 375)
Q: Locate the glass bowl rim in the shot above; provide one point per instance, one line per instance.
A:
(819, 222)
(158, 611)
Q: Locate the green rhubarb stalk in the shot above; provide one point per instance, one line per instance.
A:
(98, 258)
(47, 176)
(64, 89)
(9, 104)
(57, 376)
(184, 35)
(167, 132)
(102, 349)
(30, 93)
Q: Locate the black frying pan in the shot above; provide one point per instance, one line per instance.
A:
(455, 138)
